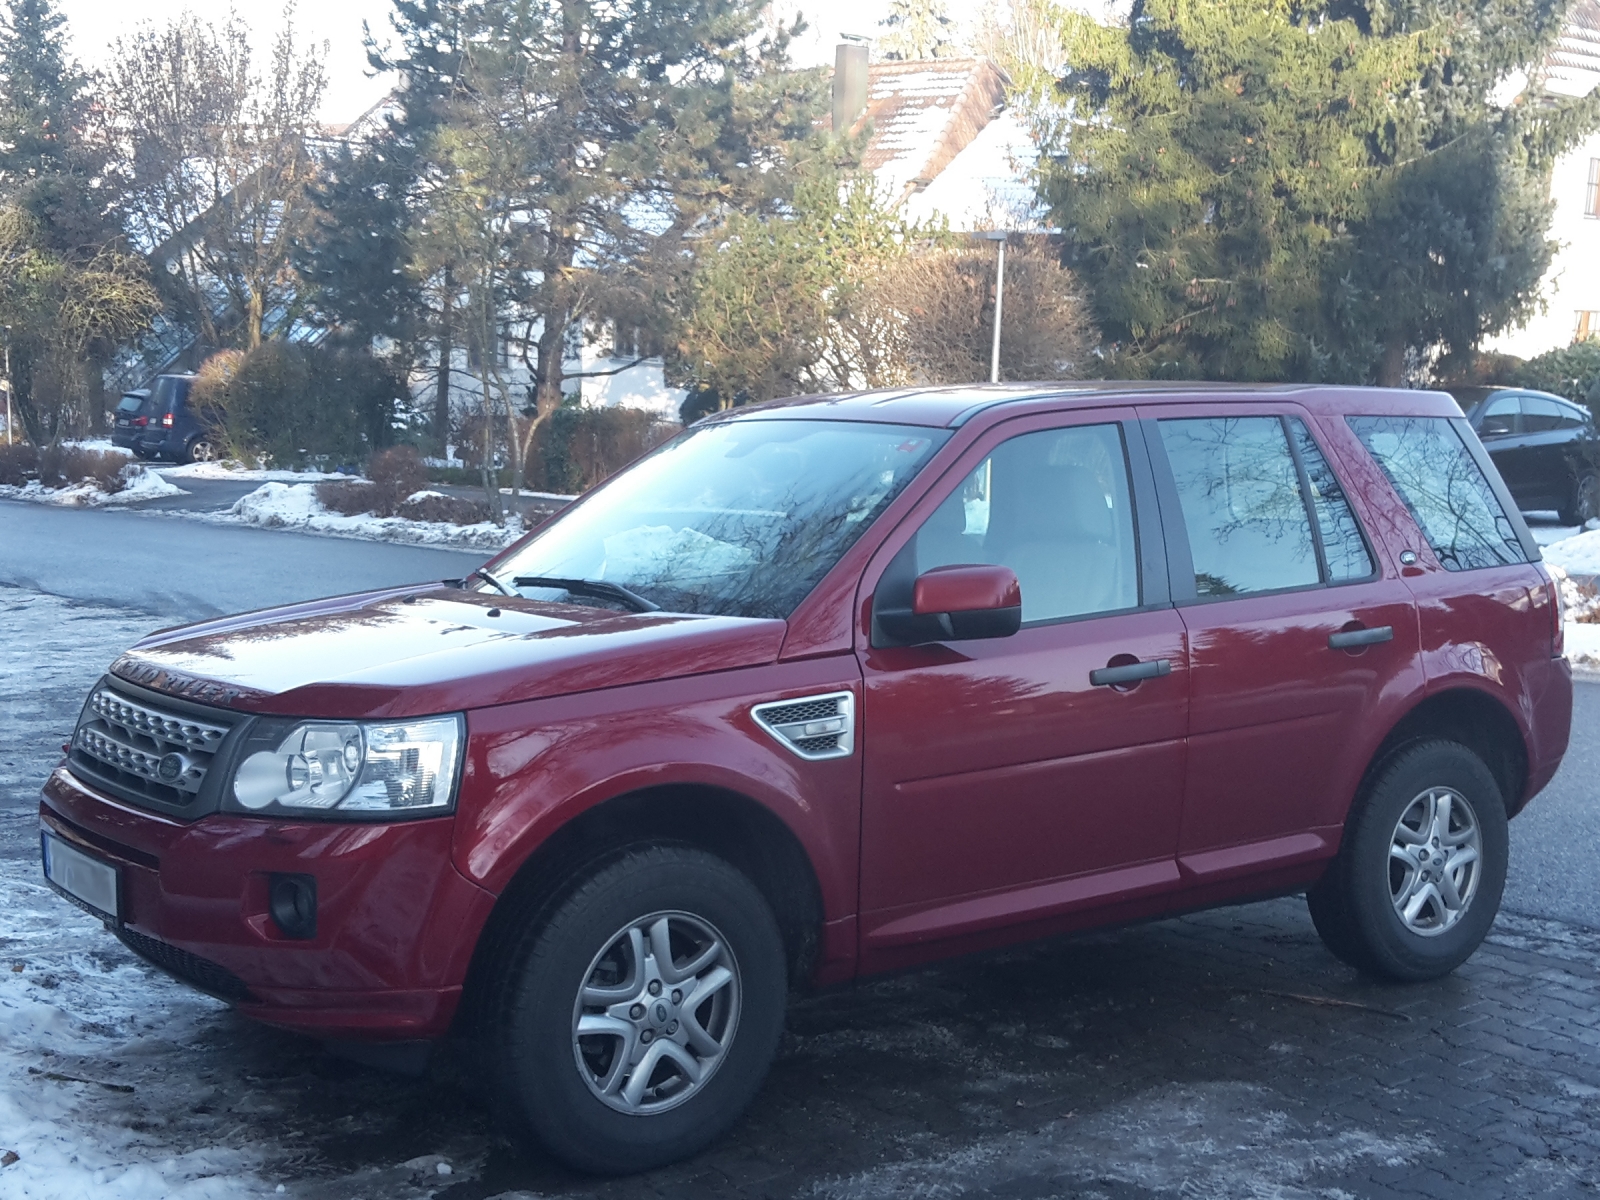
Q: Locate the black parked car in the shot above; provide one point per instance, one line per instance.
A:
(162, 423)
(1546, 448)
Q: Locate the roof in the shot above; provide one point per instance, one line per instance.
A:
(989, 184)
(949, 407)
(1572, 68)
(923, 114)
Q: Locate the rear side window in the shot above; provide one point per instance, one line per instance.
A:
(1344, 550)
(1239, 488)
(1441, 483)
(1541, 416)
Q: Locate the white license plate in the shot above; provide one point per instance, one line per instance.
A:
(86, 879)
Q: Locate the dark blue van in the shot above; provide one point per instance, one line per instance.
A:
(162, 424)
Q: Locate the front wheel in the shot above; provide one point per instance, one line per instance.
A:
(637, 1024)
(1417, 883)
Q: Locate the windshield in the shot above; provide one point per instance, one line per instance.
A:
(741, 518)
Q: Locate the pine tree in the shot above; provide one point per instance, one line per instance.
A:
(1304, 190)
(917, 29)
(48, 165)
(559, 154)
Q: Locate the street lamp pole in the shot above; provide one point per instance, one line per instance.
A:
(997, 236)
(10, 437)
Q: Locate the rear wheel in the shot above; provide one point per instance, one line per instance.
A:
(1585, 504)
(636, 1024)
(1417, 883)
(201, 449)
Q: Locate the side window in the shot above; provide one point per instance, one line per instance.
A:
(1249, 529)
(1055, 507)
(1500, 417)
(1344, 550)
(1436, 475)
(1541, 416)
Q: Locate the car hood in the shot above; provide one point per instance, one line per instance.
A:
(410, 652)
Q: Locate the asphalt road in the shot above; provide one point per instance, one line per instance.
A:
(183, 570)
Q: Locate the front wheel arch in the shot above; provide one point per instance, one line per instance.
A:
(730, 825)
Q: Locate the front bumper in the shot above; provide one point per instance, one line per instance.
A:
(396, 923)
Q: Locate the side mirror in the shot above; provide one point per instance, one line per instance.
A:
(957, 603)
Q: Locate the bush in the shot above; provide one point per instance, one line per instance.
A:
(349, 498)
(67, 466)
(577, 448)
(395, 474)
(1571, 371)
(435, 506)
(18, 464)
(293, 404)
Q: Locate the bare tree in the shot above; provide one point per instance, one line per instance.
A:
(941, 302)
(216, 161)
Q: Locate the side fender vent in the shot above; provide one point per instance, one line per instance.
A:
(814, 727)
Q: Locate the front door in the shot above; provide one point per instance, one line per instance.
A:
(1301, 644)
(1004, 785)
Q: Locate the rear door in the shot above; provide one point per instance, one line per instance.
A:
(1553, 440)
(1299, 637)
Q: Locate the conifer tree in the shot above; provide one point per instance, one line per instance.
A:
(1304, 190)
(917, 29)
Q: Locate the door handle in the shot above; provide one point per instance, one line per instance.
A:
(1131, 673)
(1349, 639)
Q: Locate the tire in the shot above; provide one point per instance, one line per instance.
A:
(1585, 502)
(570, 1091)
(199, 449)
(1434, 787)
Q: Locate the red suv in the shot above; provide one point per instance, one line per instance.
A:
(829, 687)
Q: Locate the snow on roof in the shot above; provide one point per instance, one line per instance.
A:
(923, 114)
(1572, 68)
(988, 185)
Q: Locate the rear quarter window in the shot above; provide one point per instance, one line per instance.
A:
(1445, 489)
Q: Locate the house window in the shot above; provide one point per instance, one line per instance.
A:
(1587, 324)
(1591, 195)
(630, 341)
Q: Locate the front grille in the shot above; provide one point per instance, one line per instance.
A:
(144, 749)
(813, 727)
(202, 973)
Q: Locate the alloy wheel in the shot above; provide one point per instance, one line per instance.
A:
(1435, 861)
(656, 1013)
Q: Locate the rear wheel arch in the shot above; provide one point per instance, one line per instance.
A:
(1471, 717)
(728, 824)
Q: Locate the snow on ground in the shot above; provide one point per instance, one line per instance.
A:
(229, 470)
(1577, 554)
(144, 484)
(295, 506)
(118, 1083)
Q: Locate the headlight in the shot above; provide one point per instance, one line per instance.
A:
(350, 769)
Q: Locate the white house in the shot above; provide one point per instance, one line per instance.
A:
(1571, 288)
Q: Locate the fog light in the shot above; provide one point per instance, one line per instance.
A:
(292, 901)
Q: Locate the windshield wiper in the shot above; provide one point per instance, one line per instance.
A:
(600, 589)
(480, 573)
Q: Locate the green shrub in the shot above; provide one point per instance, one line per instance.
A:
(294, 405)
(577, 448)
(1571, 371)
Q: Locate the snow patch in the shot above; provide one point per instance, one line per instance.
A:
(1208, 1139)
(231, 470)
(1578, 554)
(142, 484)
(295, 506)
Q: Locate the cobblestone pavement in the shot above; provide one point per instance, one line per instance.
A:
(1219, 1055)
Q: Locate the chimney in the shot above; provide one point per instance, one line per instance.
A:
(849, 85)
